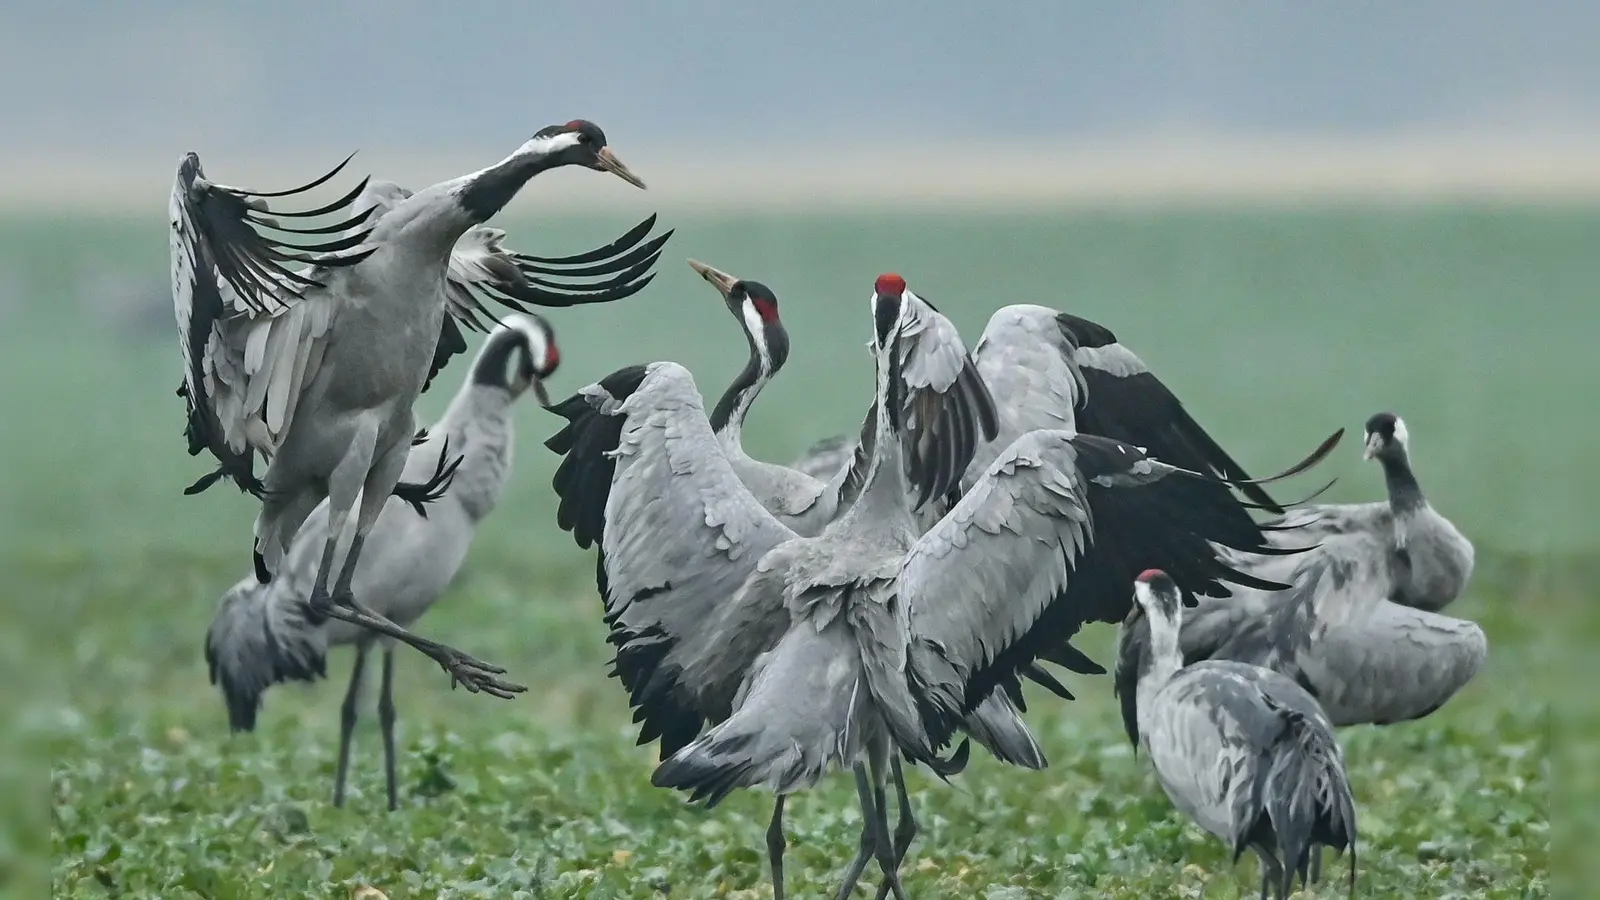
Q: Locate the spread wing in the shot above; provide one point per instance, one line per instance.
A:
(481, 267)
(1128, 402)
(942, 400)
(1047, 369)
(250, 328)
(1026, 359)
(680, 537)
(1048, 540)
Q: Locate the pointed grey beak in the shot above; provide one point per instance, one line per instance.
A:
(1373, 445)
(606, 161)
(719, 279)
(539, 393)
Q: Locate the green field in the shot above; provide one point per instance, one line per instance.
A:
(1274, 327)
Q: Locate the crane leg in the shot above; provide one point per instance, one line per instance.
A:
(887, 862)
(1315, 875)
(475, 674)
(386, 724)
(869, 835)
(775, 847)
(348, 712)
(905, 830)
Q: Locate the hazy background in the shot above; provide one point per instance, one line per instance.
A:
(737, 100)
(1298, 214)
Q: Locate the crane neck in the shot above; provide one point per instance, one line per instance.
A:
(478, 426)
(884, 494)
(430, 221)
(727, 417)
(1405, 494)
(1166, 653)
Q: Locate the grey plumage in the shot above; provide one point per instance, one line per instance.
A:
(1367, 659)
(262, 634)
(802, 504)
(1358, 628)
(1243, 751)
(316, 372)
(826, 457)
(915, 631)
(1428, 560)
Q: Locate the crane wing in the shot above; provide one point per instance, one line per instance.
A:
(1366, 659)
(944, 404)
(248, 326)
(1128, 402)
(1048, 540)
(1026, 359)
(680, 538)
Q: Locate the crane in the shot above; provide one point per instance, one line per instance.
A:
(262, 634)
(837, 650)
(316, 371)
(1242, 750)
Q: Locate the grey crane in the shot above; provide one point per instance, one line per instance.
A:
(316, 371)
(1428, 560)
(583, 482)
(839, 649)
(1242, 750)
(1367, 659)
(1358, 627)
(262, 634)
(803, 503)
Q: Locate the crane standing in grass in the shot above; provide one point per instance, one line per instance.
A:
(1242, 750)
(317, 371)
(262, 635)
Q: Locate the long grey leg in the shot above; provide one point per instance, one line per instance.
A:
(348, 712)
(1315, 875)
(905, 831)
(386, 724)
(868, 834)
(475, 674)
(885, 849)
(775, 847)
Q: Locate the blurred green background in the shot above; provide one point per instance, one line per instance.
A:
(1474, 323)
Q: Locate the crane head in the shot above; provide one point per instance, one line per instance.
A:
(756, 307)
(579, 142)
(1386, 435)
(1156, 595)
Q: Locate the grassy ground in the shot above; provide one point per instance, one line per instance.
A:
(1274, 327)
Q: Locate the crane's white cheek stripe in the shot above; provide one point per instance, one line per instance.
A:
(758, 331)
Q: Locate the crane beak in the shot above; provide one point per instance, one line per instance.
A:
(1374, 444)
(719, 279)
(539, 393)
(606, 161)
